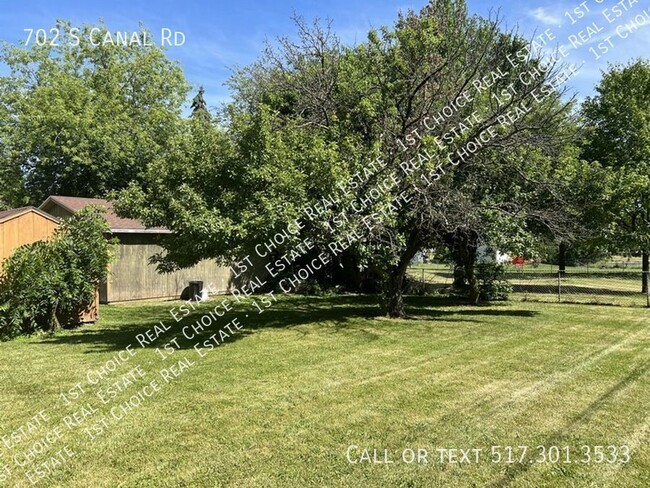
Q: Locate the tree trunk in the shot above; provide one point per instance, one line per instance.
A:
(453, 243)
(561, 259)
(474, 289)
(645, 265)
(459, 276)
(468, 248)
(394, 295)
(395, 305)
(346, 273)
(54, 319)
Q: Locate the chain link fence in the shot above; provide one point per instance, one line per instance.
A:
(579, 284)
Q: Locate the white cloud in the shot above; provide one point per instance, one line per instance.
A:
(544, 16)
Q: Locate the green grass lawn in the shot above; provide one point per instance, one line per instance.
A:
(580, 284)
(281, 401)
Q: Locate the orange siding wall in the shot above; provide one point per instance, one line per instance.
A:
(23, 229)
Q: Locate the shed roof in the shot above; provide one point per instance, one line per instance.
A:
(16, 212)
(116, 223)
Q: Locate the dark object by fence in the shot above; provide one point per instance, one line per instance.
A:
(195, 290)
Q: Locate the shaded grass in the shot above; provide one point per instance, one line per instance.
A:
(279, 404)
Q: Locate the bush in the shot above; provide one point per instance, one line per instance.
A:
(49, 283)
(415, 287)
(309, 287)
(492, 281)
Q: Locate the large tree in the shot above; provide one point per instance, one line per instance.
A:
(513, 202)
(82, 119)
(226, 188)
(325, 113)
(225, 191)
(371, 98)
(619, 139)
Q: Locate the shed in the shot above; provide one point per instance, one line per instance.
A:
(24, 225)
(131, 276)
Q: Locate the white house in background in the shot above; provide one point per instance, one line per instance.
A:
(418, 258)
(488, 254)
(484, 254)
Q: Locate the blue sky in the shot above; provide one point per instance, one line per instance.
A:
(221, 35)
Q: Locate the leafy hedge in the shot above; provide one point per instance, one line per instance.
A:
(47, 284)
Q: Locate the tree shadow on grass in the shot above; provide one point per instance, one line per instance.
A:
(338, 314)
(417, 313)
(422, 306)
(572, 289)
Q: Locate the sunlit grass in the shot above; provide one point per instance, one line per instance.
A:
(281, 401)
(580, 284)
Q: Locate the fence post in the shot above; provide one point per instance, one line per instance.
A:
(647, 293)
(559, 285)
(423, 276)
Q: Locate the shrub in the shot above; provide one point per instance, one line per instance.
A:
(49, 283)
(309, 287)
(414, 287)
(492, 281)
